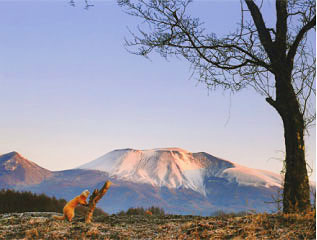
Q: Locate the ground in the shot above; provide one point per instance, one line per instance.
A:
(255, 226)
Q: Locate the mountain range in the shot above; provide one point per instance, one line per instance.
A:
(179, 181)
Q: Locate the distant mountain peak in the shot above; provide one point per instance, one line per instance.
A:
(16, 169)
(176, 149)
(9, 155)
(164, 149)
(177, 168)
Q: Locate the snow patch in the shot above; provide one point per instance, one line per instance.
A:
(251, 177)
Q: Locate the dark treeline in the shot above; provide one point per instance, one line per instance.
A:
(15, 201)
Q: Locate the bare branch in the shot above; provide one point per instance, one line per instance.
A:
(299, 37)
(264, 34)
(281, 27)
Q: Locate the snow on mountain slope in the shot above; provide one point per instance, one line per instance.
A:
(170, 167)
(175, 167)
(251, 177)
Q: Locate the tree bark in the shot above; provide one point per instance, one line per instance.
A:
(296, 184)
(296, 195)
(94, 198)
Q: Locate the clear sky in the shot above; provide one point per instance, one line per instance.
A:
(70, 92)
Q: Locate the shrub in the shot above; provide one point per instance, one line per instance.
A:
(142, 211)
(221, 213)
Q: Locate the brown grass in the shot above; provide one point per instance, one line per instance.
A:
(255, 226)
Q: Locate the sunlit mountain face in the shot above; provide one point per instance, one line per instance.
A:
(17, 170)
(175, 168)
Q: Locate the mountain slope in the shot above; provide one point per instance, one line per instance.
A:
(220, 194)
(175, 168)
(17, 170)
(172, 168)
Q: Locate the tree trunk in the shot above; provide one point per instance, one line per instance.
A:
(296, 184)
(296, 196)
(94, 198)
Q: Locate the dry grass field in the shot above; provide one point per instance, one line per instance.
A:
(253, 226)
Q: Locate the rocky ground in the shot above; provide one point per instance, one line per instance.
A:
(256, 226)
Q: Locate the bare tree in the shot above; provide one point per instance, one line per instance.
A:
(278, 62)
(94, 199)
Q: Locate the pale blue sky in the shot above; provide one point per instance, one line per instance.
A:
(70, 92)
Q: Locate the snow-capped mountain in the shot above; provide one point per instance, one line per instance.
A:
(176, 168)
(174, 179)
